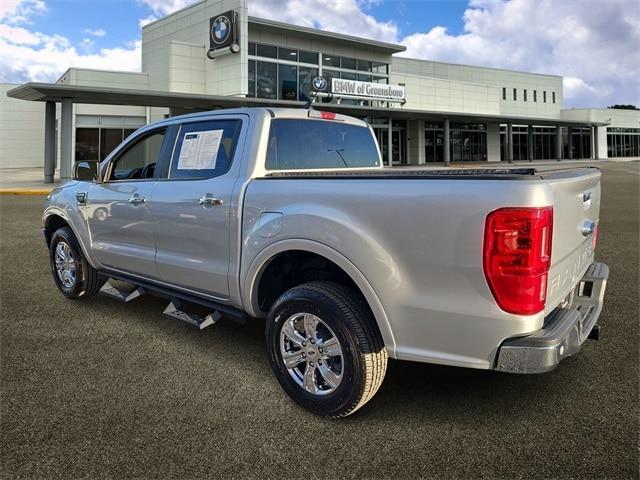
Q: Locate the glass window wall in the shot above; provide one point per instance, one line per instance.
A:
(467, 142)
(623, 142)
(96, 143)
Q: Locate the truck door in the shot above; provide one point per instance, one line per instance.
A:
(193, 206)
(118, 209)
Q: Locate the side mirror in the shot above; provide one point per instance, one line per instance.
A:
(87, 171)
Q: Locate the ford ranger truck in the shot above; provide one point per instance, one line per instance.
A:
(289, 216)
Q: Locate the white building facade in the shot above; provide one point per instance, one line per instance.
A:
(450, 113)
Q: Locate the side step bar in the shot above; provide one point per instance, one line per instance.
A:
(173, 310)
(119, 294)
(177, 301)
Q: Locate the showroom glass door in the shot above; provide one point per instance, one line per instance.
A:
(399, 146)
(398, 142)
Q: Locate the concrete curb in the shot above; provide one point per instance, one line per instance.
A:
(25, 191)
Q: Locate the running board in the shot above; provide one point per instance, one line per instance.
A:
(123, 295)
(219, 310)
(173, 311)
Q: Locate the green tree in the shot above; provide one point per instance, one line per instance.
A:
(624, 107)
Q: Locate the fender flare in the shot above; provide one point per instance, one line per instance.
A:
(50, 212)
(249, 289)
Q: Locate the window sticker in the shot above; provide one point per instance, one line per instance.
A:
(200, 150)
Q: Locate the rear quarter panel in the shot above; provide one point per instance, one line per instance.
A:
(418, 242)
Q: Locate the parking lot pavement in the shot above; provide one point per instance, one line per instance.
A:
(101, 389)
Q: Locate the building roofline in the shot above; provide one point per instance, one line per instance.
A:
(403, 57)
(334, 36)
(128, 72)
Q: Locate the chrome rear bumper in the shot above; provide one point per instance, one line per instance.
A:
(564, 331)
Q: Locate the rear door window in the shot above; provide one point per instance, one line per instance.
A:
(205, 149)
(296, 144)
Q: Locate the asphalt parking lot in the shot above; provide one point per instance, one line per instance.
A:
(100, 389)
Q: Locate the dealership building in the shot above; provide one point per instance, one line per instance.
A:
(213, 55)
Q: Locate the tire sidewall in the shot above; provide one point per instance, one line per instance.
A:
(353, 377)
(65, 235)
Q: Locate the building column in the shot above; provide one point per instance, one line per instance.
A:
(570, 143)
(66, 139)
(493, 142)
(420, 142)
(49, 141)
(558, 142)
(446, 148)
(510, 142)
(592, 143)
(530, 143)
(389, 142)
(602, 143)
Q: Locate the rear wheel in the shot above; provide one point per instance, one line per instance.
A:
(325, 348)
(73, 274)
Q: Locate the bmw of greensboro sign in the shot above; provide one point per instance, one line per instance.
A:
(366, 89)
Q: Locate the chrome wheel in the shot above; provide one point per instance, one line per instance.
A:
(311, 353)
(65, 265)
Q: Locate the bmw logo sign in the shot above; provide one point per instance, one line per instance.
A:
(320, 84)
(220, 30)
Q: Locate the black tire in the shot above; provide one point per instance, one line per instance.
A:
(364, 356)
(87, 281)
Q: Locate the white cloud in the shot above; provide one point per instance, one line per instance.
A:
(342, 16)
(19, 35)
(34, 56)
(19, 11)
(147, 20)
(50, 59)
(576, 87)
(164, 7)
(87, 44)
(98, 32)
(593, 44)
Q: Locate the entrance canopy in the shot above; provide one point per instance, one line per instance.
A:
(47, 92)
(177, 102)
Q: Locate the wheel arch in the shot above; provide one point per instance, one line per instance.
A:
(53, 219)
(258, 266)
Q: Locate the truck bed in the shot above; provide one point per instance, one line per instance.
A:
(421, 173)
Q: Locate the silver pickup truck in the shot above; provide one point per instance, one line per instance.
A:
(289, 215)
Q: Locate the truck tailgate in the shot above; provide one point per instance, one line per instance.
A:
(576, 212)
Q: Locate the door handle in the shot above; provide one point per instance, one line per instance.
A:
(208, 200)
(136, 200)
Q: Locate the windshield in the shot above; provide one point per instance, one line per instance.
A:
(296, 144)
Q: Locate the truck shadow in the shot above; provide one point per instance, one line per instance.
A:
(446, 394)
(410, 391)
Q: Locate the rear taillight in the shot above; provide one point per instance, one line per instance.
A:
(596, 232)
(517, 255)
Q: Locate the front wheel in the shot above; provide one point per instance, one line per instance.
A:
(73, 274)
(325, 348)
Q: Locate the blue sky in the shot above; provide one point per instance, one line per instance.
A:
(593, 44)
(419, 15)
(71, 19)
(120, 18)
